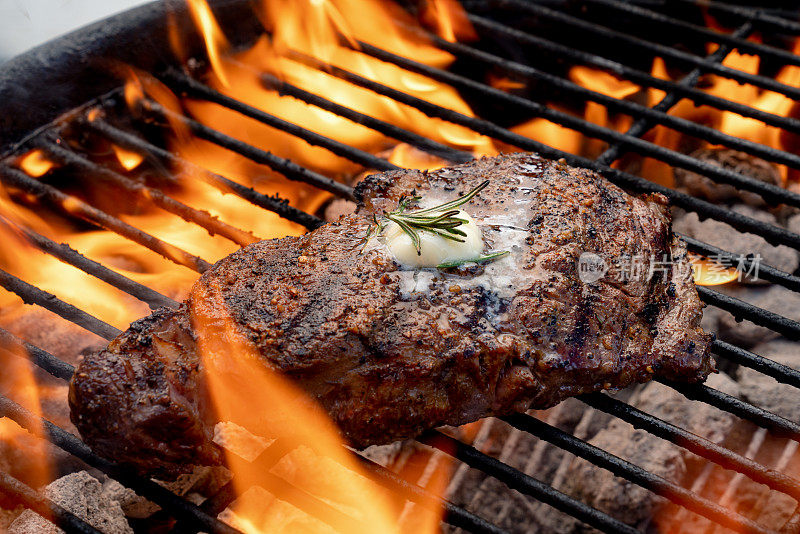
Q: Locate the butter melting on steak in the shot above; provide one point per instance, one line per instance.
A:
(389, 352)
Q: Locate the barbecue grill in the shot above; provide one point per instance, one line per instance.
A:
(64, 96)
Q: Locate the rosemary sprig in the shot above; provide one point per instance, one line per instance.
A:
(479, 259)
(441, 220)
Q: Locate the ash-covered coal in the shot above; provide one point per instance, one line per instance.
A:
(620, 498)
(745, 333)
(727, 238)
(764, 391)
(83, 495)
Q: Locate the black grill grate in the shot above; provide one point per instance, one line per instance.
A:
(193, 518)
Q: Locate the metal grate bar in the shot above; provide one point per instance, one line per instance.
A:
(741, 309)
(68, 255)
(189, 214)
(390, 130)
(770, 233)
(154, 492)
(25, 495)
(658, 49)
(776, 424)
(694, 443)
(270, 203)
(41, 358)
(286, 167)
(195, 89)
(639, 77)
(780, 372)
(33, 295)
(71, 206)
(759, 15)
(634, 473)
(743, 45)
(625, 106)
(525, 484)
(669, 100)
(772, 193)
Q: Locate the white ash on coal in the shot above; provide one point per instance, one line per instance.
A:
(83, 495)
(505, 507)
(620, 498)
(764, 391)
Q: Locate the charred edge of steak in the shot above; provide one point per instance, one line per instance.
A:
(132, 405)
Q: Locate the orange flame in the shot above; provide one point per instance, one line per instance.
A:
(710, 273)
(329, 30)
(35, 163)
(504, 83)
(127, 158)
(449, 20)
(17, 382)
(248, 394)
(216, 43)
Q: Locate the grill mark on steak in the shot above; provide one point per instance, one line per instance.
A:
(389, 352)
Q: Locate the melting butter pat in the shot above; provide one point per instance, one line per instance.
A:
(434, 249)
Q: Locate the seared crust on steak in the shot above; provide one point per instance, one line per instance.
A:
(390, 352)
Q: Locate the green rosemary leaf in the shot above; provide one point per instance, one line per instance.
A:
(457, 202)
(409, 230)
(479, 259)
(402, 205)
(370, 230)
(440, 220)
(450, 235)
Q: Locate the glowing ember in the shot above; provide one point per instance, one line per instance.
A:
(504, 83)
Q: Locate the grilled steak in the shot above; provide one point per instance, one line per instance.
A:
(388, 351)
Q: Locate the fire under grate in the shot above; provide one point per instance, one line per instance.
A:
(58, 143)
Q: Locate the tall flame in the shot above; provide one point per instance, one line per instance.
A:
(328, 30)
(216, 43)
(17, 383)
(449, 20)
(247, 393)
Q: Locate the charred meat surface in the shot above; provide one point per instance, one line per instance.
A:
(389, 351)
